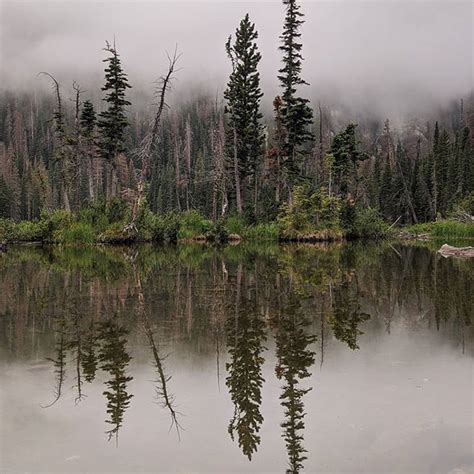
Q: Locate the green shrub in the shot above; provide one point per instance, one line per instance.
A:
(367, 223)
(53, 222)
(218, 233)
(192, 224)
(6, 229)
(115, 234)
(309, 213)
(117, 210)
(264, 231)
(94, 215)
(27, 231)
(235, 225)
(77, 233)
(166, 227)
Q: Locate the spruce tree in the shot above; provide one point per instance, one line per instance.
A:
(113, 121)
(88, 119)
(345, 149)
(243, 94)
(297, 116)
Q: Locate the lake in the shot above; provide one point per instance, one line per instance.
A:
(350, 357)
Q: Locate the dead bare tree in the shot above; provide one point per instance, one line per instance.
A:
(149, 142)
(61, 134)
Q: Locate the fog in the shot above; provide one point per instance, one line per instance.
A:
(396, 56)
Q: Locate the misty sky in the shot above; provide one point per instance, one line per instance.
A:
(403, 53)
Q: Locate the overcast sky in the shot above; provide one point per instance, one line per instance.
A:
(402, 53)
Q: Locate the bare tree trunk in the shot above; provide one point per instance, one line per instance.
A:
(238, 197)
(149, 142)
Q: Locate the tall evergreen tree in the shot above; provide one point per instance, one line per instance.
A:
(243, 94)
(88, 119)
(297, 116)
(346, 152)
(113, 121)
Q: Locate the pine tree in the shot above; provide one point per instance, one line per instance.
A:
(113, 121)
(88, 119)
(297, 116)
(345, 149)
(243, 94)
(5, 199)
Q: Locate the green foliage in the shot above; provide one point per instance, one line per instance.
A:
(295, 114)
(218, 232)
(266, 231)
(27, 231)
(449, 228)
(113, 121)
(6, 229)
(243, 94)
(88, 119)
(193, 224)
(365, 223)
(117, 210)
(77, 233)
(165, 227)
(310, 213)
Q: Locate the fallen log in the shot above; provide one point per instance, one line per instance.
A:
(458, 252)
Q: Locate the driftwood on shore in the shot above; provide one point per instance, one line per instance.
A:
(459, 252)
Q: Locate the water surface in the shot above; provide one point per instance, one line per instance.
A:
(342, 358)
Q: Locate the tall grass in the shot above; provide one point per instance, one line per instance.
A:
(450, 228)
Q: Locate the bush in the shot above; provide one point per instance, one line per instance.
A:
(52, 223)
(165, 227)
(77, 233)
(192, 224)
(117, 210)
(368, 223)
(6, 229)
(218, 232)
(235, 225)
(309, 214)
(27, 231)
(266, 231)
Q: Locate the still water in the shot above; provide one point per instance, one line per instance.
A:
(342, 358)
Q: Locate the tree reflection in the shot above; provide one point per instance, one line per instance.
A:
(347, 316)
(59, 359)
(114, 360)
(294, 358)
(89, 356)
(245, 338)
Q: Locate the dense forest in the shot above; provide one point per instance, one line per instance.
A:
(227, 156)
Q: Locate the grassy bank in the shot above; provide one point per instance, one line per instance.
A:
(311, 218)
(442, 229)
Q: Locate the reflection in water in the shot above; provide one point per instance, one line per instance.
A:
(89, 355)
(346, 316)
(59, 359)
(114, 360)
(245, 338)
(90, 310)
(294, 361)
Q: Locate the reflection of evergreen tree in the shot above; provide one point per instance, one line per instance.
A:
(114, 359)
(89, 356)
(294, 360)
(347, 316)
(59, 360)
(245, 337)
